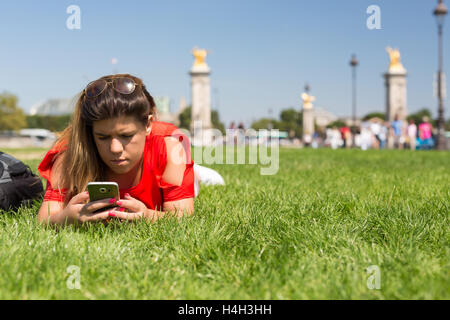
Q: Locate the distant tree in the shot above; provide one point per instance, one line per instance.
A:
(12, 116)
(215, 121)
(265, 123)
(291, 116)
(418, 116)
(185, 118)
(337, 123)
(371, 115)
(52, 123)
(291, 121)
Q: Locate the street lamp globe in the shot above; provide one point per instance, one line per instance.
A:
(354, 61)
(440, 12)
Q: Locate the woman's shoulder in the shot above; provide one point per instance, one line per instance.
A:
(51, 169)
(164, 129)
(54, 155)
(168, 161)
(166, 135)
(168, 148)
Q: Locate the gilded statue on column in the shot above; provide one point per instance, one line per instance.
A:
(394, 55)
(200, 57)
(307, 100)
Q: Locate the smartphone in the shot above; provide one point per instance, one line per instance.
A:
(103, 190)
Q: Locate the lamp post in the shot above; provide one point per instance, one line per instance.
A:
(354, 64)
(440, 12)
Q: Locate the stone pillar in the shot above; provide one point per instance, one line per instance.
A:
(308, 116)
(308, 125)
(201, 99)
(395, 81)
(396, 103)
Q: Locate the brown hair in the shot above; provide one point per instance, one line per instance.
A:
(82, 163)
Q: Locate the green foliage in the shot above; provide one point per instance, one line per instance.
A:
(371, 115)
(215, 121)
(291, 121)
(291, 116)
(52, 123)
(418, 116)
(308, 232)
(337, 123)
(265, 123)
(12, 116)
(185, 120)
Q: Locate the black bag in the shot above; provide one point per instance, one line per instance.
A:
(18, 184)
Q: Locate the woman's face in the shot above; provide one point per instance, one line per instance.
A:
(120, 142)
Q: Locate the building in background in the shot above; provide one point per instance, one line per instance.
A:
(54, 107)
(323, 117)
(163, 110)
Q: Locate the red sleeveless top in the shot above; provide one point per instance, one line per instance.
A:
(151, 189)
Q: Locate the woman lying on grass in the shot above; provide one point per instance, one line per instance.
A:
(113, 137)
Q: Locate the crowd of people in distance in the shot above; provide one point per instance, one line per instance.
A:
(374, 133)
(235, 134)
(378, 134)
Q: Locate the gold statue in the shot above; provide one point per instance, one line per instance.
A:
(394, 55)
(200, 56)
(307, 100)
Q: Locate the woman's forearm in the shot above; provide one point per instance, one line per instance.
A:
(59, 219)
(53, 213)
(154, 215)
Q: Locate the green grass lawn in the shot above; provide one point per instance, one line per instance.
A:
(308, 232)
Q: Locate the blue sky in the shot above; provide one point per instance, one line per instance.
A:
(263, 51)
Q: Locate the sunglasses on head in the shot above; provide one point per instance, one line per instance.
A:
(123, 85)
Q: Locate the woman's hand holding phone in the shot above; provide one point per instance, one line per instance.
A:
(129, 209)
(79, 209)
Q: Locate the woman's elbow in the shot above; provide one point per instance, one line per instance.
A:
(181, 208)
(48, 209)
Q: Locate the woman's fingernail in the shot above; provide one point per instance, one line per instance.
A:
(111, 214)
(112, 200)
(119, 203)
(87, 192)
(127, 195)
(122, 209)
